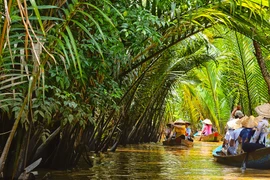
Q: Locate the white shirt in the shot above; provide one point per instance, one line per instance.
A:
(236, 133)
(188, 130)
(234, 136)
(261, 132)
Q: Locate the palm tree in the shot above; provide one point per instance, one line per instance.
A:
(76, 71)
(48, 45)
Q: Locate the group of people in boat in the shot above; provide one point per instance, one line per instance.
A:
(246, 133)
(243, 133)
(179, 128)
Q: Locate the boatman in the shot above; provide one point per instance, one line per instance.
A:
(179, 128)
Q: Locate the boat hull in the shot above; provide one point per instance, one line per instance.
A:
(178, 142)
(259, 159)
(215, 137)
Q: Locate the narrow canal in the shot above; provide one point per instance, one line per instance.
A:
(154, 161)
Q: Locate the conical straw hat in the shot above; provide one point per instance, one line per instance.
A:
(207, 121)
(263, 110)
(169, 123)
(234, 124)
(179, 121)
(248, 122)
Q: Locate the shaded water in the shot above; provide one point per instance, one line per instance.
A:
(154, 161)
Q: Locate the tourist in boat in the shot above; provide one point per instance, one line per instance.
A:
(233, 122)
(245, 135)
(238, 115)
(259, 138)
(234, 144)
(236, 112)
(168, 130)
(236, 126)
(179, 128)
(207, 128)
(261, 132)
(188, 131)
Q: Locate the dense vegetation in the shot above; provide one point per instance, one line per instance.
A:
(79, 76)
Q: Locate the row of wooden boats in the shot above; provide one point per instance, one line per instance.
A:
(259, 159)
(215, 137)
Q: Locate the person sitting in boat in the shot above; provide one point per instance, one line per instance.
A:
(207, 129)
(231, 125)
(261, 132)
(235, 116)
(168, 130)
(236, 112)
(179, 128)
(188, 131)
(236, 125)
(258, 139)
(245, 135)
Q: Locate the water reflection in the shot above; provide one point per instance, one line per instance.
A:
(154, 161)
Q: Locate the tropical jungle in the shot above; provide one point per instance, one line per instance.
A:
(80, 76)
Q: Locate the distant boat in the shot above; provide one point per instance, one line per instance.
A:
(214, 137)
(177, 142)
(259, 159)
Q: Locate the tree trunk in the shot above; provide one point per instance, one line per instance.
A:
(259, 57)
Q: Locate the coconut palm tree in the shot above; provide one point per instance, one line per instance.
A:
(72, 72)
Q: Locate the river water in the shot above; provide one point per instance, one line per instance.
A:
(156, 162)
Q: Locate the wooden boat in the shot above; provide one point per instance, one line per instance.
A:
(177, 142)
(214, 137)
(259, 159)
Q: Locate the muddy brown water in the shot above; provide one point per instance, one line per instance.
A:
(156, 162)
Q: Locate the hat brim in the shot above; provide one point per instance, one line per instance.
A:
(179, 122)
(169, 123)
(263, 110)
(234, 124)
(207, 121)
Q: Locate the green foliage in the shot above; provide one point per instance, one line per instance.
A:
(102, 66)
(225, 84)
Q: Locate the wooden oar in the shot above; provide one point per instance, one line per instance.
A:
(244, 166)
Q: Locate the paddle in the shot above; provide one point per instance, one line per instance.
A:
(244, 167)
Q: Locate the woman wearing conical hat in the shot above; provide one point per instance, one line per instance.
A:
(246, 134)
(234, 127)
(207, 127)
(248, 123)
(179, 128)
(261, 132)
(231, 126)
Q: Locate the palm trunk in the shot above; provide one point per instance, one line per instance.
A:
(259, 57)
